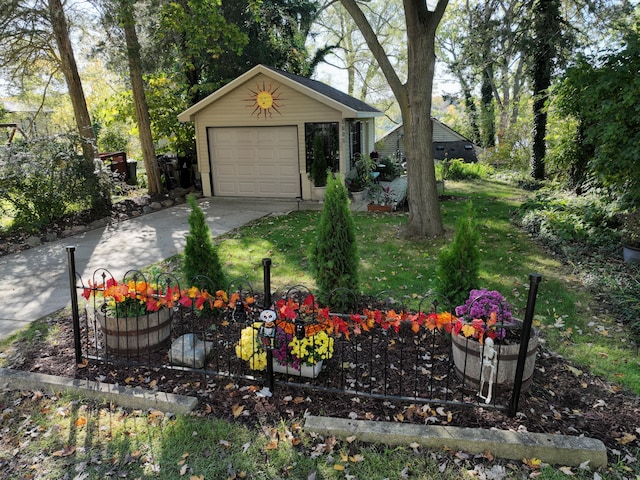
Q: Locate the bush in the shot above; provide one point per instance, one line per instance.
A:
(459, 170)
(565, 221)
(458, 265)
(319, 165)
(334, 256)
(45, 179)
(200, 254)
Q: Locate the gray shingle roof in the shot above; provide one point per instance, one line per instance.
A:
(328, 91)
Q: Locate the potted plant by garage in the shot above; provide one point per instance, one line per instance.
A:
(486, 343)
(631, 237)
(380, 198)
(360, 177)
(318, 171)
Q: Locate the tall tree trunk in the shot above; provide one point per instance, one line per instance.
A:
(101, 200)
(546, 27)
(487, 109)
(414, 98)
(139, 98)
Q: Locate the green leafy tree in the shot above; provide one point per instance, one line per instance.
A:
(334, 256)
(458, 265)
(602, 97)
(200, 253)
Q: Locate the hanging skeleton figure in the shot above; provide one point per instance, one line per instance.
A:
(489, 360)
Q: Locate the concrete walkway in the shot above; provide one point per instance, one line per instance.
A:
(35, 282)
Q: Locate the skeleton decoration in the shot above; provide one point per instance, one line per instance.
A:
(489, 360)
(268, 329)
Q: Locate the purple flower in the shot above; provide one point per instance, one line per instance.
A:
(482, 303)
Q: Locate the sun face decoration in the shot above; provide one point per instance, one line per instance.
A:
(264, 101)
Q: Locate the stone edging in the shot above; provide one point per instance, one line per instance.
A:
(134, 398)
(552, 449)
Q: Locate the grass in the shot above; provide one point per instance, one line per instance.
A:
(56, 437)
(44, 429)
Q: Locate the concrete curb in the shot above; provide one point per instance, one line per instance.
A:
(552, 449)
(134, 398)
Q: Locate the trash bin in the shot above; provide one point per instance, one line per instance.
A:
(132, 167)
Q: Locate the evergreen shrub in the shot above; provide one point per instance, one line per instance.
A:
(334, 256)
(200, 253)
(458, 264)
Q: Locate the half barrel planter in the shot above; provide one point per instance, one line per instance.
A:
(308, 371)
(136, 335)
(467, 357)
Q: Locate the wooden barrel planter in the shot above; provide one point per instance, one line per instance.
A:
(136, 335)
(467, 357)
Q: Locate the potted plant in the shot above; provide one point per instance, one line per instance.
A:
(486, 342)
(380, 198)
(359, 178)
(133, 315)
(631, 237)
(298, 347)
(318, 171)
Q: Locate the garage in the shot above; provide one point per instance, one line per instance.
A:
(256, 135)
(254, 161)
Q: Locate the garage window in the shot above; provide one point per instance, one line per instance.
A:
(329, 134)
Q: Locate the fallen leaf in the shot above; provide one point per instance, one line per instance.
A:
(338, 467)
(532, 463)
(81, 421)
(272, 445)
(237, 410)
(351, 439)
(575, 371)
(65, 452)
(567, 471)
(356, 458)
(626, 438)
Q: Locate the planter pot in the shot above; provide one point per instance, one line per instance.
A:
(317, 193)
(378, 208)
(309, 371)
(631, 254)
(467, 356)
(358, 197)
(136, 335)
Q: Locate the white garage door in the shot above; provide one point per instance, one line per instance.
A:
(254, 162)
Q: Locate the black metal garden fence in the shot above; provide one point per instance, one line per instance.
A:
(387, 348)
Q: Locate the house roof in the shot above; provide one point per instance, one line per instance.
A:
(349, 106)
(434, 120)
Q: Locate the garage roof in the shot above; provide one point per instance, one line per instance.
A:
(349, 106)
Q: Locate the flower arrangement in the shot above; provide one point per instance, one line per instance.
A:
(483, 315)
(311, 344)
(134, 298)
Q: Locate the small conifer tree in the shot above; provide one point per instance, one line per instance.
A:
(458, 265)
(319, 165)
(334, 256)
(200, 253)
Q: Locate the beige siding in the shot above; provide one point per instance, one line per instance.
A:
(237, 108)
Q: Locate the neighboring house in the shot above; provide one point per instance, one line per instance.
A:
(255, 136)
(447, 143)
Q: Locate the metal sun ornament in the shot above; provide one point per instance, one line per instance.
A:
(264, 100)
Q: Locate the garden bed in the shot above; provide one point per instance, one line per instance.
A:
(561, 400)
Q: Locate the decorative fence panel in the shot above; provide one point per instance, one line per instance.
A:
(380, 352)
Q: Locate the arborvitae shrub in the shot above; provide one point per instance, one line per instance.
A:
(200, 253)
(459, 263)
(334, 256)
(319, 164)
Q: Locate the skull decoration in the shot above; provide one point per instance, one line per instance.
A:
(268, 329)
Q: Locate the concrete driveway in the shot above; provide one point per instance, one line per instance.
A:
(35, 282)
